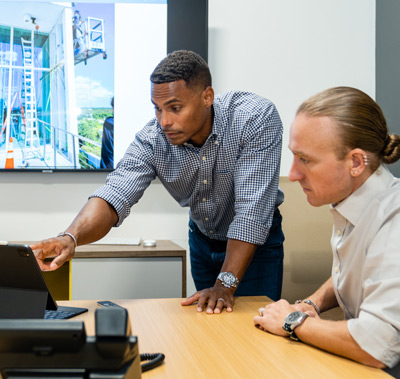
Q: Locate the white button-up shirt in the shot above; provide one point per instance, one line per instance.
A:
(366, 264)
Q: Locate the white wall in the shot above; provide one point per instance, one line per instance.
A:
(285, 50)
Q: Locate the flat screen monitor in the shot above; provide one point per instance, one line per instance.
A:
(74, 76)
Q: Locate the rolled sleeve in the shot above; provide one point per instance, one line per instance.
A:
(116, 200)
(377, 337)
(240, 227)
(376, 328)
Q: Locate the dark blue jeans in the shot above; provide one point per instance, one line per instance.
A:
(264, 274)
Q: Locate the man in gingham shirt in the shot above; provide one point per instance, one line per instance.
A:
(219, 156)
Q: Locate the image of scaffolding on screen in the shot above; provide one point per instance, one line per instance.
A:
(56, 84)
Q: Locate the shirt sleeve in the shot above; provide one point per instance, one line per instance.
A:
(376, 329)
(256, 175)
(133, 174)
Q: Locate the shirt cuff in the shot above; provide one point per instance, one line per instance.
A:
(377, 337)
(247, 230)
(118, 203)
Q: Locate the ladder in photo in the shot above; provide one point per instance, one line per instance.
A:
(32, 141)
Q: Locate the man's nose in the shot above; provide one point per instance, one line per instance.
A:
(165, 120)
(294, 173)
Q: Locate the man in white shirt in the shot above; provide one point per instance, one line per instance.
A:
(340, 142)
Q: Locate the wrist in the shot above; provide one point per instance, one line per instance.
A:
(219, 285)
(70, 235)
(309, 302)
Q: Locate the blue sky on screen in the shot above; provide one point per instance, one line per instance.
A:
(95, 81)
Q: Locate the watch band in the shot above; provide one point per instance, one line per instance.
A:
(293, 336)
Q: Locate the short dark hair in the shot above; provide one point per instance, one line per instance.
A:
(182, 65)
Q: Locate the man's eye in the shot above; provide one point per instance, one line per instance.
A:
(176, 109)
(304, 160)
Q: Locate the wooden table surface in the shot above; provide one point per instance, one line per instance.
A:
(198, 345)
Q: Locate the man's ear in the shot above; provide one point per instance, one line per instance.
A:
(208, 96)
(358, 161)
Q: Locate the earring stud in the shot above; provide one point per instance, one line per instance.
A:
(366, 160)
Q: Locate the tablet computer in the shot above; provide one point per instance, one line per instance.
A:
(23, 290)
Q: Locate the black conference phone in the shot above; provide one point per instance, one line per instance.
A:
(61, 349)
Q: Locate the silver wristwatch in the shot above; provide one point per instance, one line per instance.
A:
(292, 321)
(228, 279)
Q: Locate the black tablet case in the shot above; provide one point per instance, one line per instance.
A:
(23, 290)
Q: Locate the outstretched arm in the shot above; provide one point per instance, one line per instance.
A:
(93, 222)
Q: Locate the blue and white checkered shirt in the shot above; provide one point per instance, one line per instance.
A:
(230, 183)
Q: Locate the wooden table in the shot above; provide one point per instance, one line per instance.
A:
(198, 345)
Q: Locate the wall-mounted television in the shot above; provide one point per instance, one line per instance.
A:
(74, 76)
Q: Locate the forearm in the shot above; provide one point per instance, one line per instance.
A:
(333, 336)
(238, 257)
(93, 222)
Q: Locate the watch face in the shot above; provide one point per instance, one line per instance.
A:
(293, 320)
(294, 316)
(228, 278)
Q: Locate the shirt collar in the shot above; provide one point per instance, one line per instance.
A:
(353, 206)
(220, 120)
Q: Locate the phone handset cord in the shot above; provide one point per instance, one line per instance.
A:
(154, 360)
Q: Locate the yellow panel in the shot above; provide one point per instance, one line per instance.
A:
(58, 282)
